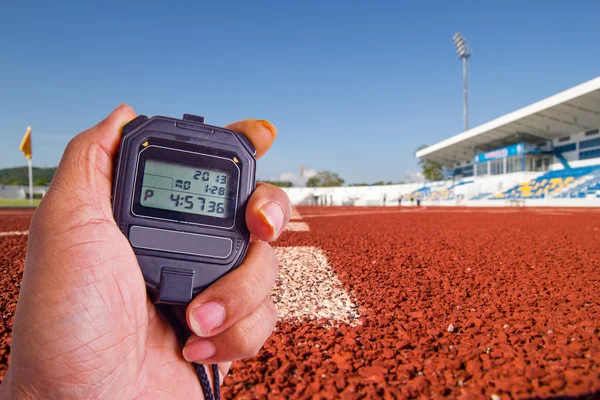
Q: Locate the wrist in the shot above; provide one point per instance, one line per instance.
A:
(5, 392)
(9, 390)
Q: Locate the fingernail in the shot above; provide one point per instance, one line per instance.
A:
(272, 215)
(199, 350)
(192, 339)
(207, 317)
(269, 126)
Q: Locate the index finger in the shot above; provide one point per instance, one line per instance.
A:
(260, 132)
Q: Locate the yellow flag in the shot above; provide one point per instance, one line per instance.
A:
(25, 146)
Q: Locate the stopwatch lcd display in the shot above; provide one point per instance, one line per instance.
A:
(185, 186)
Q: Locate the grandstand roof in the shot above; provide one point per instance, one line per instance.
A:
(569, 112)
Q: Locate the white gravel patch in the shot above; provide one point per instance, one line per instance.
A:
(14, 233)
(308, 288)
(297, 227)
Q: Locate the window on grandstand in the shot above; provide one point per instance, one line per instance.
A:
(565, 148)
(514, 164)
(589, 143)
(468, 171)
(482, 169)
(535, 162)
(586, 155)
(592, 132)
(564, 139)
(497, 167)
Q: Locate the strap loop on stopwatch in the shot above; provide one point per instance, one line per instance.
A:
(175, 315)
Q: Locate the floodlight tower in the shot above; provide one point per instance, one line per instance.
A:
(463, 52)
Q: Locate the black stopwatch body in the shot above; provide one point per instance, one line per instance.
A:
(179, 196)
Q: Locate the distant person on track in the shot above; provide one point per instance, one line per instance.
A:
(84, 326)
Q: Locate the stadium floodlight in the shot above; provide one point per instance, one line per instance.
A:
(464, 52)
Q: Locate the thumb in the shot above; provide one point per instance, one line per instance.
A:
(84, 174)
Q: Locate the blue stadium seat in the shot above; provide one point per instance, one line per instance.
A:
(427, 193)
(587, 185)
(560, 183)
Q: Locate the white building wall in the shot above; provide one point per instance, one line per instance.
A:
(573, 156)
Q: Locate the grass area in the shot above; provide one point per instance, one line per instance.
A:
(18, 202)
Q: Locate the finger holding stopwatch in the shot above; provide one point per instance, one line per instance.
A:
(268, 211)
(236, 295)
(269, 207)
(260, 132)
(242, 340)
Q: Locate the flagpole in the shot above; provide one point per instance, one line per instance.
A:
(30, 163)
(25, 147)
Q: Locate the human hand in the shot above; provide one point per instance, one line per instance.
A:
(84, 326)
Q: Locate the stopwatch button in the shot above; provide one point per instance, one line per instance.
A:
(176, 285)
(193, 118)
(133, 124)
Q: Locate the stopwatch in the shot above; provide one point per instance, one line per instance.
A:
(180, 191)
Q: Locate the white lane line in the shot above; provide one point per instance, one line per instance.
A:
(351, 213)
(14, 233)
(295, 214)
(308, 288)
(555, 213)
(425, 210)
(297, 227)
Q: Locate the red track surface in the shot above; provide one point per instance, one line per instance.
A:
(520, 287)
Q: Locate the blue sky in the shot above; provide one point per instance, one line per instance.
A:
(354, 87)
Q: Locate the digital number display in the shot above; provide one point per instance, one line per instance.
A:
(183, 188)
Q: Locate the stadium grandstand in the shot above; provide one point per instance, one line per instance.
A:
(545, 154)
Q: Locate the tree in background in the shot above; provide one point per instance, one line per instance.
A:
(432, 170)
(20, 176)
(283, 184)
(41, 181)
(378, 183)
(325, 179)
(382, 183)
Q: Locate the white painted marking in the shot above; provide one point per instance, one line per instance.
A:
(295, 214)
(351, 213)
(14, 233)
(308, 288)
(297, 227)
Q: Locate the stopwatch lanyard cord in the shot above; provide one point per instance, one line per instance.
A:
(175, 315)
